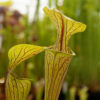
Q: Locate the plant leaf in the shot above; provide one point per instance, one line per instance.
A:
(58, 58)
(56, 65)
(17, 89)
(21, 52)
(66, 28)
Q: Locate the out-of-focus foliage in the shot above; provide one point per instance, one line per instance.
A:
(6, 3)
(85, 67)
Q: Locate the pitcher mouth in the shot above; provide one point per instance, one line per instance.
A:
(68, 52)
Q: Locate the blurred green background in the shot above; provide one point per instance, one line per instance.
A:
(84, 70)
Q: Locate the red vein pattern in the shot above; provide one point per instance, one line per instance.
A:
(56, 64)
(66, 28)
(58, 58)
(22, 52)
(17, 89)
